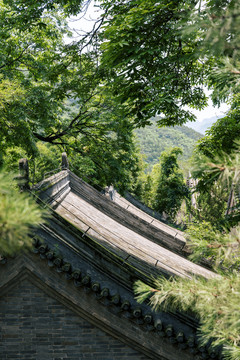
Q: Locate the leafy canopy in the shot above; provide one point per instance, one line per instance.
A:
(52, 92)
(155, 66)
(170, 187)
(215, 302)
(164, 52)
(18, 213)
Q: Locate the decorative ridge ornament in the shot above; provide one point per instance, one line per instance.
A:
(23, 178)
(65, 163)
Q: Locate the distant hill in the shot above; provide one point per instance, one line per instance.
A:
(153, 140)
(204, 125)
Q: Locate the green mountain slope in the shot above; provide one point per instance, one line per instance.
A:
(153, 140)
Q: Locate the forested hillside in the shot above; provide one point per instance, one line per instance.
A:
(153, 140)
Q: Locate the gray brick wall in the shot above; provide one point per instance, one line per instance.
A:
(35, 326)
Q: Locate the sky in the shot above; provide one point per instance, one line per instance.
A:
(211, 111)
(207, 116)
(84, 22)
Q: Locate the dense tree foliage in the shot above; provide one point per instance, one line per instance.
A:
(164, 188)
(214, 302)
(218, 176)
(52, 92)
(218, 146)
(222, 135)
(57, 93)
(18, 212)
(170, 187)
(163, 52)
(153, 58)
(220, 21)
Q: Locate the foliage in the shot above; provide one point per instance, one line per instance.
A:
(111, 159)
(155, 67)
(215, 302)
(222, 135)
(220, 249)
(221, 167)
(18, 213)
(220, 175)
(47, 160)
(216, 176)
(53, 94)
(211, 203)
(163, 52)
(11, 157)
(35, 60)
(171, 189)
(34, 10)
(147, 190)
(220, 21)
(26, 53)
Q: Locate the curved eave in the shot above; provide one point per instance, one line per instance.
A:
(76, 202)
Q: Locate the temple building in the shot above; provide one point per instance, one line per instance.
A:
(72, 297)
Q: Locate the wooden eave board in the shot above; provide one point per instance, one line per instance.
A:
(127, 205)
(165, 236)
(111, 233)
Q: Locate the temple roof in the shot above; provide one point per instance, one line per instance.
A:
(135, 237)
(89, 254)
